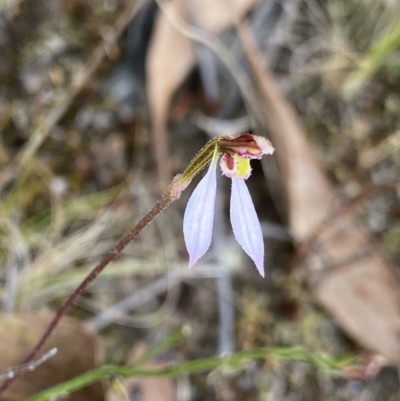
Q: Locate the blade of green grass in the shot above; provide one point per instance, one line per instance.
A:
(324, 362)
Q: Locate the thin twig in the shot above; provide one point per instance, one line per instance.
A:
(28, 367)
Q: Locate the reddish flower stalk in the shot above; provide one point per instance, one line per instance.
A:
(174, 191)
(236, 151)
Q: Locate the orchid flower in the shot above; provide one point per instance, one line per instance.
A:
(199, 215)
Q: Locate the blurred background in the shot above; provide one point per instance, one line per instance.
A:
(102, 102)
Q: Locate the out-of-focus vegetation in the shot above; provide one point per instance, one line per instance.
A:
(77, 170)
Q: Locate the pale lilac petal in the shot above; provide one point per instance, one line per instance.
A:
(199, 216)
(245, 224)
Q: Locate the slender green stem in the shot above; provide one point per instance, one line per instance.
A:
(199, 162)
(326, 363)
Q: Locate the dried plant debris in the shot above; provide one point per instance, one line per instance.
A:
(347, 275)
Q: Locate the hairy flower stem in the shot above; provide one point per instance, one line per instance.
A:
(244, 145)
(199, 162)
(173, 193)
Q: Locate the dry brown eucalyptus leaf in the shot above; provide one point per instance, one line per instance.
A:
(171, 55)
(349, 277)
(78, 351)
(150, 389)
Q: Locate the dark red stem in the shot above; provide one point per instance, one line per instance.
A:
(113, 254)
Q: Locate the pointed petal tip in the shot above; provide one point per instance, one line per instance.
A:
(245, 224)
(192, 261)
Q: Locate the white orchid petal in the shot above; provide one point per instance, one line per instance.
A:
(199, 216)
(245, 224)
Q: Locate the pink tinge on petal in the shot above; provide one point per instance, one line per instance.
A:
(199, 216)
(245, 224)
